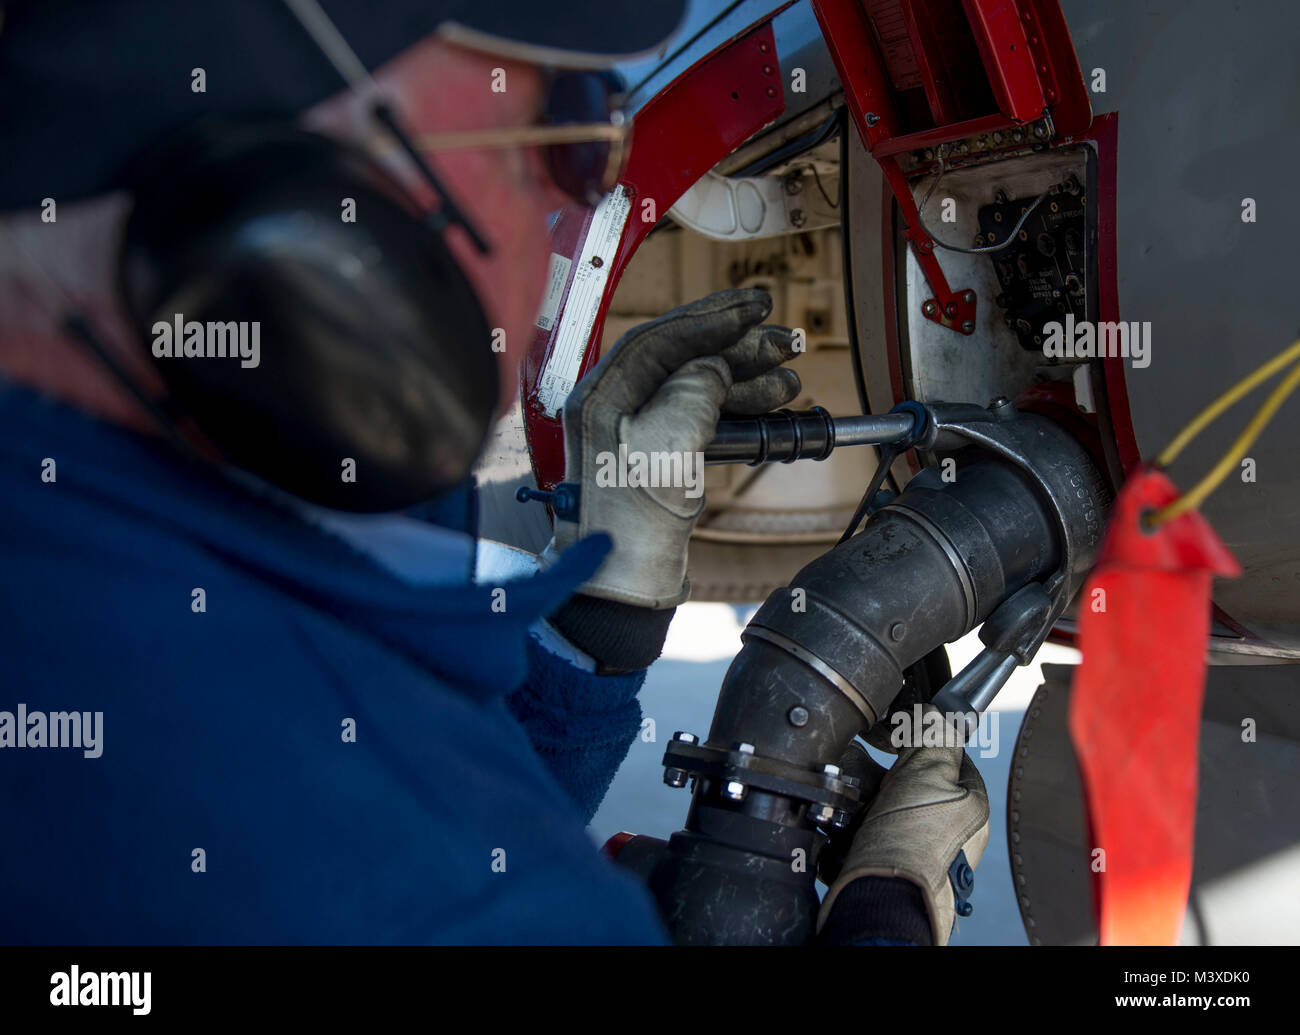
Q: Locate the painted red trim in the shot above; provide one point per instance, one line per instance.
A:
(683, 132)
(889, 289)
(1105, 134)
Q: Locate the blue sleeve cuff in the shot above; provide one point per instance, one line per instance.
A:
(581, 724)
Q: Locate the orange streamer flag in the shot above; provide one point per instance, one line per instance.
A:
(1135, 713)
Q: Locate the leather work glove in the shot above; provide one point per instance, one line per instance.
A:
(660, 390)
(930, 805)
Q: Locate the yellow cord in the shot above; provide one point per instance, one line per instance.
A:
(1197, 495)
(1198, 423)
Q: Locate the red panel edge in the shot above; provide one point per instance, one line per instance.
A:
(701, 130)
(1105, 134)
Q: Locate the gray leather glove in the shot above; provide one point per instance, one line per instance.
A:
(659, 393)
(930, 805)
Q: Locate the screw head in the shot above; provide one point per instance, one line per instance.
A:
(950, 309)
(896, 631)
(798, 715)
(840, 820)
(968, 326)
(930, 308)
(968, 297)
(820, 813)
(871, 118)
(675, 777)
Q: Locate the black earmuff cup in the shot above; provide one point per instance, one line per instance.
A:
(372, 346)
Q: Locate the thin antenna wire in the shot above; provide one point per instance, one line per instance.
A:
(1010, 238)
(45, 275)
(350, 68)
(73, 322)
(332, 44)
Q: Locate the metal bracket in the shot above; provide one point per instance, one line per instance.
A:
(962, 875)
(564, 501)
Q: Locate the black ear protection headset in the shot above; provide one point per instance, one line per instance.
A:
(306, 315)
(374, 384)
(307, 318)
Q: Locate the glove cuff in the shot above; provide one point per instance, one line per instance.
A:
(620, 637)
(940, 906)
(877, 910)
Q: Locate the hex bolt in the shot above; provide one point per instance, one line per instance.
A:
(685, 738)
(675, 777)
(840, 820)
(798, 715)
(745, 749)
(734, 790)
(820, 813)
(830, 769)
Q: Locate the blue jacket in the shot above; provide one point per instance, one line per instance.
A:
(456, 815)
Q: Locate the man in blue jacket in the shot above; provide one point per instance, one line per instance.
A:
(240, 706)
